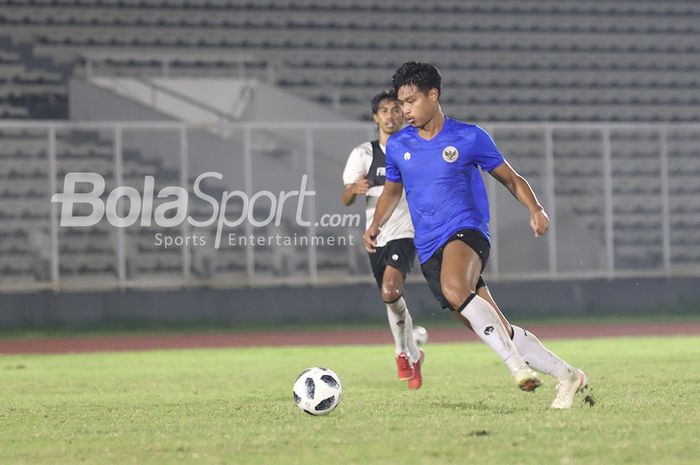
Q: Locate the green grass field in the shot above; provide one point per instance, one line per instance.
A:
(235, 406)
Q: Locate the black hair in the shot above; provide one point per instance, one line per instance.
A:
(383, 95)
(423, 76)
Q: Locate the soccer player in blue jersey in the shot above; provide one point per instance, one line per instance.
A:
(437, 160)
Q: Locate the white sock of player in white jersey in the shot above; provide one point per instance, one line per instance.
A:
(487, 325)
(401, 325)
(538, 356)
(414, 352)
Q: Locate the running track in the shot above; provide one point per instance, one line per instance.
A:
(319, 338)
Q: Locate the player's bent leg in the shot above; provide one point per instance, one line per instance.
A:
(460, 271)
(461, 268)
(537, 356)
(392, 284)
(531, 349)
(392, 295)
(485, 294)
(480, 284)
(489, 328)
(400, 323)
(571, 380)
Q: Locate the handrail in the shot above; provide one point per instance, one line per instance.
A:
(607, 268)
(349, 124)
(165, 58)
(185, 98)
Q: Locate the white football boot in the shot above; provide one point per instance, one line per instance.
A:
(527, 380)
(567, 389)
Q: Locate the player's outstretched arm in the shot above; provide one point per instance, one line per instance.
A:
(521, 190)
(385, 207)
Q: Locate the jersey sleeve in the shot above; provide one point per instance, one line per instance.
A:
(487, 155)
(354, 167)
(393, 174)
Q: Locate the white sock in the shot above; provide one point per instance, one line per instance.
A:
(413, 351)
(401, 326)
(538, 356)
(485, 322)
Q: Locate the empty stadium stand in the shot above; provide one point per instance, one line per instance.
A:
(502, 61)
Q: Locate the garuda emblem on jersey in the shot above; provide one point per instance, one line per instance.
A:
(450, 154)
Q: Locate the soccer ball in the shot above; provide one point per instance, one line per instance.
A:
(317, 391)
(420, 335)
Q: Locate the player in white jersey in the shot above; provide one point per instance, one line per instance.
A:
(364, 174)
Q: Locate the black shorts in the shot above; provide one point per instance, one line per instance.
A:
(398, 253)
(431, 269)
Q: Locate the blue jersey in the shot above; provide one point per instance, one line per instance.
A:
(443, 183)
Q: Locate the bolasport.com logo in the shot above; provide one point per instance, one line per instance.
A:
(169, 208)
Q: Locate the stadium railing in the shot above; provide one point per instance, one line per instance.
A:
(624, 200)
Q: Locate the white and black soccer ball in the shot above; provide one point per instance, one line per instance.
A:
(420, 335)
(317, 391)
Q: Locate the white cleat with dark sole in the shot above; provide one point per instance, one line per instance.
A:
(527, 380)
(567, 389)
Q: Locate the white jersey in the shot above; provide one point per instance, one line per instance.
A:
(399, 225)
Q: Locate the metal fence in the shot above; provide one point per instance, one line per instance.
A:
(624, 200)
